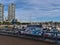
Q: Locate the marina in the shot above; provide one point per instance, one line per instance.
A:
(29, 22)
(33, 32)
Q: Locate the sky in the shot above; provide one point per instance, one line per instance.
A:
(34, 10)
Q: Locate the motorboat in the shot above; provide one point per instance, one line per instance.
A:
(33, 30)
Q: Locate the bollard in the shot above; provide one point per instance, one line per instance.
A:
(43, 35)
(56, 39)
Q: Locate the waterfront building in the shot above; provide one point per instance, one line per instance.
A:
(1, 12)
(11, 12)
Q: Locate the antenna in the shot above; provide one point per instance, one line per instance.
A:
(12, 1)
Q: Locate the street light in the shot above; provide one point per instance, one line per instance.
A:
(14, 22)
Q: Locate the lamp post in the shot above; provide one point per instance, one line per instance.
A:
(14, 22)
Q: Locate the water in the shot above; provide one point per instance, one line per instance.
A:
(7, 40)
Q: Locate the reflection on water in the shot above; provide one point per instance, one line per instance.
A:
(5, 40)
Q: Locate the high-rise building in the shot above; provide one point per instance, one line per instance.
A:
(11, 12)
(1, 12)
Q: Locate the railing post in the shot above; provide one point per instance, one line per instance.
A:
(43, 35)
(56, 39)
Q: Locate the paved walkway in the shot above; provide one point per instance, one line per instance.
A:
(5, 40)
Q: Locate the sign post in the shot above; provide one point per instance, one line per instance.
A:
(14, 22)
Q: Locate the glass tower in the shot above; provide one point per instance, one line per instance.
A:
(1, 12)
(11, 12)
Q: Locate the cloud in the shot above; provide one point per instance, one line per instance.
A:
(39, 10)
